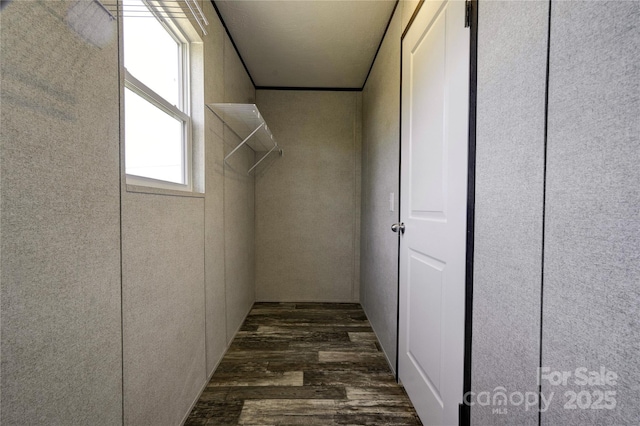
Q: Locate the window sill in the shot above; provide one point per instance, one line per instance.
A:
(162, 191)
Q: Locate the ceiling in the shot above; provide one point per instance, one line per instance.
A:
(307, 43)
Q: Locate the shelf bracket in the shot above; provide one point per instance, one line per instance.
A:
(243, 142)
(265, 156)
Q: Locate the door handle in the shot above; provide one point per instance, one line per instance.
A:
(398, 227)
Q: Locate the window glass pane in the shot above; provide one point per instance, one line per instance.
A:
(154, 142)
(150, 53)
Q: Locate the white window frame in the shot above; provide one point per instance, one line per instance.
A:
(180, 112)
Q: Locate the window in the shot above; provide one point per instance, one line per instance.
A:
(157, 122)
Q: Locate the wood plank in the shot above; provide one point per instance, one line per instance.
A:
(288, 411)
(273, 335)
(366, 336)
(220, 413)
(329, 306)
(260, 378)
(286, 392)
(348, 378)
(289, 355)
(371, 393)
(233, 366)
(347, 356)
(333, 346)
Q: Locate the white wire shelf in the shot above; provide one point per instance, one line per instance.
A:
(248, 124)
(158, 9)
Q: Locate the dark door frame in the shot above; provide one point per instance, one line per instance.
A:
(465, 413)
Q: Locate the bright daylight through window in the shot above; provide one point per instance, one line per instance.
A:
(156, 101)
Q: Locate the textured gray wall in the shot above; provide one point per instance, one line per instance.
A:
(512, 54)
(215, 286)
(380, 177)
(163, 306)
(307, 201)
(591, 216)
(215, 291)
(60, 263)
(239, 209)
(239, 235)
(592, 266)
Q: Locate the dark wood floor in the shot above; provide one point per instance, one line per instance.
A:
(304, 364)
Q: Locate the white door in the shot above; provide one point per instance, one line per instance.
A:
(435, 94)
